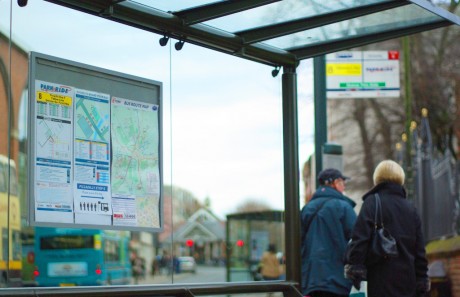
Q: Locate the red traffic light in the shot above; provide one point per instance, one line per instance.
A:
(189, 242)
(240, 242)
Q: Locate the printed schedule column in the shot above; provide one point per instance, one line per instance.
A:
(53, 152)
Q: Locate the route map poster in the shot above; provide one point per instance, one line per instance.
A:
(96, 155)
(135, 170)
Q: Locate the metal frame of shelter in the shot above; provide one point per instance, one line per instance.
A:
(188, 26)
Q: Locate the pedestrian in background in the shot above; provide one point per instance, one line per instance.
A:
(327, 221)
(405, 275)
(269, 264)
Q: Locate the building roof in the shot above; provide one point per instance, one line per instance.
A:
(202, 226)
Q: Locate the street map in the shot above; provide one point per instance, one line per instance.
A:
(135, 164)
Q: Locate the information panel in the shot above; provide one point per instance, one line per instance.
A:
(356, 74)
(95, 147)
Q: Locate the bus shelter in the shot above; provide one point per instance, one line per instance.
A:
(301, 34)
(248, 237)
(280, 42)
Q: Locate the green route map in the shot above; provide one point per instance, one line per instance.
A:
(92, 119)
(135, 144)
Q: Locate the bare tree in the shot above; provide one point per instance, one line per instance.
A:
(436, 79)
(252, 205)
(369, 129)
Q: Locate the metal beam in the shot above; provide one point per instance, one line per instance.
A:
(428, 5)
(285, 28)
(291, 174)
(217, 9)
(320, 109)
(288, 289)
(351, 42)
(156, 21)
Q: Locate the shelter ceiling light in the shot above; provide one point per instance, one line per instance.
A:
(179, 45)
(164, 40)
(276, 71)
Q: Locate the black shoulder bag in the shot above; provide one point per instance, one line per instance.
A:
(382, 245)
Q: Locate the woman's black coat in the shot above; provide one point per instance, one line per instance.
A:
(401, 276)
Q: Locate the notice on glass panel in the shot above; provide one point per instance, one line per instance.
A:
(135, 164)
(53, 152)
(92, 156)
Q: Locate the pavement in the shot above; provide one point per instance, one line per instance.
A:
(161, 279)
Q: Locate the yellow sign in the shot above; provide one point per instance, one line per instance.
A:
(54, 98)
(13, 264)
(343, 69)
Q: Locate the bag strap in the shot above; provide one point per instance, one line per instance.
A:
(307, 225)
(378, 210)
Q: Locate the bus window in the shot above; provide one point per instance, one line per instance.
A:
(2, 178)
(13, 182)
(67, 242)
(10, 225)
(16, 245)
(111, 251)
(4, 243)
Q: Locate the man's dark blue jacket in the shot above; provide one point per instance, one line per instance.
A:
(324, 244)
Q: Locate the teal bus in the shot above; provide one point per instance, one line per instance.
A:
(81, 257)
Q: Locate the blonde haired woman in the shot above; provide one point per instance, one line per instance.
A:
(406, 274)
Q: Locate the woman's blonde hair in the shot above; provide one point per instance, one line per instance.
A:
(389, 171)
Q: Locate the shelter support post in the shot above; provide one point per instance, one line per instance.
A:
(319, 72)
(291, 174)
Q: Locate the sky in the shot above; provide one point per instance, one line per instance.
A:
(222, 123)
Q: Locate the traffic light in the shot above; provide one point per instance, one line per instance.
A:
(189, 242)
(240, 243)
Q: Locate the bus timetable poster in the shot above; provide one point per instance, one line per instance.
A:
(96, 158)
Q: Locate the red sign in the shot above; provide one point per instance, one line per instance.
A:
(393, 55)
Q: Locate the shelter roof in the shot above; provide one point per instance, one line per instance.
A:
(273, 32)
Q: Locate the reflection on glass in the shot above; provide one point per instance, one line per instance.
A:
(173, 5)
(80, 257)
(401, 17)
(282, 11)
(10, 224)
(192, 247)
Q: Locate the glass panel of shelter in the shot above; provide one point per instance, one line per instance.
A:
(6, 245)
(217, 104)
(396, 18)
(273, 13)
(282, 11)
(200, 84)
